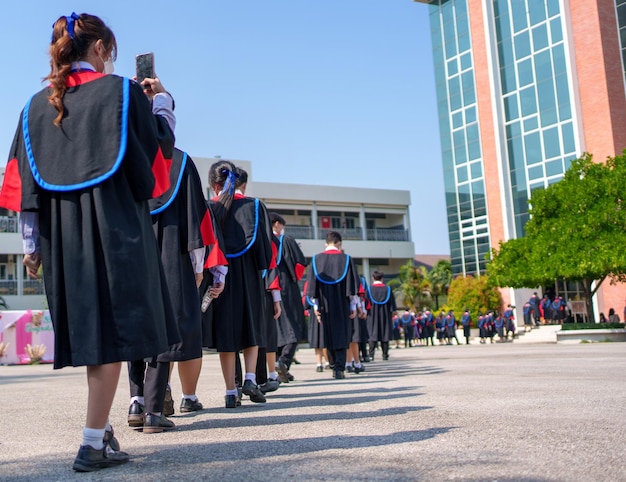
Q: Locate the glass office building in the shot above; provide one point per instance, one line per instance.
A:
(523, 88)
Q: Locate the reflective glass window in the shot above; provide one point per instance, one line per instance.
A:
(511, 110)
(528, 101)
(457, 120)
(562, 94)
(476, 170)
(531, 123)
(461, 173)
(466, 61)
(516, 153)
(467, 80)
(540, 37)
(556, 30)
(532, 145)
(470, 115)
(525, 72)
(569, 143)
(453, 67)
(543, 66)
(536, 11)
(522, 45)
(535, 172)
(518, 13)
(553, 7)
(473, 150)
(554, 168)
(551, 143)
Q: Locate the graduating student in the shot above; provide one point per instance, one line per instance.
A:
(466, 322)
(451, 328)
(291, 266)
(535, 310)
(87, 156)
(333, 290)
(184, 230)
(429, 326)
(382, 307)
(234, 321)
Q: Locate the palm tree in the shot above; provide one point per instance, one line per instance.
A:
(440, 278)
(412, 283)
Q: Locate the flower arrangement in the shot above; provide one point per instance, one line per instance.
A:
(35, 352)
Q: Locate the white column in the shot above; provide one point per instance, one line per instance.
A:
(363, 223)
(366, 269)
(314, 220)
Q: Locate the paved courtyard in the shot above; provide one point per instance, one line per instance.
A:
(506, 412)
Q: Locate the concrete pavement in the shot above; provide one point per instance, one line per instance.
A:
(510, 411)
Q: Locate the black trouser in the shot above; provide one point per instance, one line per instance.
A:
(261, 366)
(286, 353)
(339, 357)
(150, 381)
(363, 349)
(384, 345)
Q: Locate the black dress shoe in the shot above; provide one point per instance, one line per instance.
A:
(110, 440)
(232, 401)
(156, 423)
(253, 391)
(90, 459)
(283, 372)
(135, 414)
(349, 368)
(385, 357)
(168, 403)
(290, 377)
(269, 386)
(295, 360)
(188, 405)
(339, 375)
(358, 370)
(319, 369)
(366, 359)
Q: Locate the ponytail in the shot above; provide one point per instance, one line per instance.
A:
(71, 38)
(223, 174)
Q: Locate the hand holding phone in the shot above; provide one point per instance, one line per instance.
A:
(144, 65)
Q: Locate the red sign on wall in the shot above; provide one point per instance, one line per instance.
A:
(325, 222)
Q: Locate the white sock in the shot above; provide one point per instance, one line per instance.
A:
(139, 400)
(232, 392)
(273, 375)
(251, 377)
(193, 398)
(93, 437)
(358, 365)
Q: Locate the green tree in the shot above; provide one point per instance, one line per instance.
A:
(576, 232)
(476, 294)
(412, 283)
(440, 278)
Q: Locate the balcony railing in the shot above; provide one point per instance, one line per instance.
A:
(8, 287)
(300, 232)
(387, 235)
(8, 224)
(380, 234)
(32, 287)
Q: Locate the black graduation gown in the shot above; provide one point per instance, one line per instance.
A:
(359, 325)
(269, 327)
(332, 279)
(291, 265)
(382, 305)
(234, 320)
(315, 329)
(90, 181)
(182, 223)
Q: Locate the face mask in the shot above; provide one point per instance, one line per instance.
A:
(108, 67)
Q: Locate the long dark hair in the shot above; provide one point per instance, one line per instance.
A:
(71, 38)
(223, 174)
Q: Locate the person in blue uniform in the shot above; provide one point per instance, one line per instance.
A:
(382, 307)
(332, 288)
(184, 229)
(234, 321)
(291, 265)
(466, 322)
(88, 154)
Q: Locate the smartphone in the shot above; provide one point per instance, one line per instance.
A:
(144, 65)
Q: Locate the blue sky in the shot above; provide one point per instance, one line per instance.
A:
(330, 92)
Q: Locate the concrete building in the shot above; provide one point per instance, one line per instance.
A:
(523, 88)
(374, 224)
